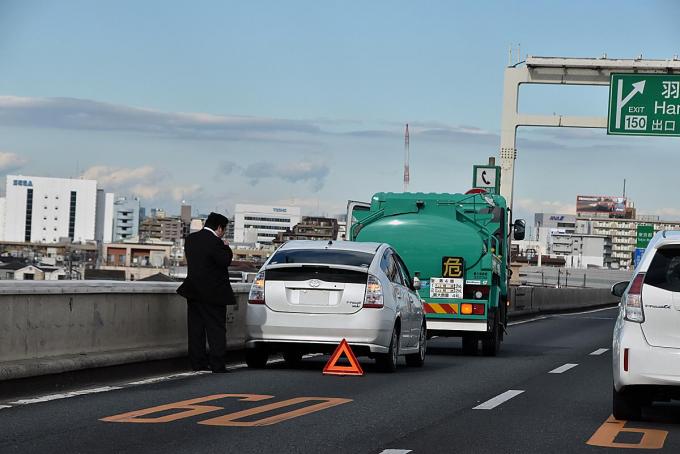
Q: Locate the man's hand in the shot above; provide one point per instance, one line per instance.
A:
(225, 241)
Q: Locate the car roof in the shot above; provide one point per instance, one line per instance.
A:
(356, 246)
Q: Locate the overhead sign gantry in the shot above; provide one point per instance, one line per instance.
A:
(645, 99)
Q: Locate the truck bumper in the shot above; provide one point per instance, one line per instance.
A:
(456, 327)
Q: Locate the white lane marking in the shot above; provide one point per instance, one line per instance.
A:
(396, 451)
(521, 322)
(81, 392)
(563, 368)
(5, 406)
(499, 399)
(599, 351)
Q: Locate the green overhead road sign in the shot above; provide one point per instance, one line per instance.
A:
(644, 235)
(644, 104)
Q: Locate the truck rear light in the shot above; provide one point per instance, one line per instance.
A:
(633, 300)
(472, 309)
(256, 295)
(478, 309)
(374, 293)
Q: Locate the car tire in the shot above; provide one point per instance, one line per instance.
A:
(387, 362)
(418, 359)
(626, 405)
(491, 343)
(470, 344)
(292, 357)
(256, 358)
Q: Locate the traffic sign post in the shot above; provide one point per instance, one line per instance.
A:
(644, 104)
(487, 177)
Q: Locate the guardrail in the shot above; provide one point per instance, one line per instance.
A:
(53, 327)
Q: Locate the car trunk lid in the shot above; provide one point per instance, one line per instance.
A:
(315, 289)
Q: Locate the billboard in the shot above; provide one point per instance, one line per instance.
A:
(600, 204)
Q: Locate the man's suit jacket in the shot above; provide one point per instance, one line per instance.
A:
(207, 276)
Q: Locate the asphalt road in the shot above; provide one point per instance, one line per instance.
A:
(451, 405)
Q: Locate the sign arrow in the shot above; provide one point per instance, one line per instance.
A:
(638, 87)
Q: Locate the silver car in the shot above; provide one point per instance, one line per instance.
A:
(310, 295)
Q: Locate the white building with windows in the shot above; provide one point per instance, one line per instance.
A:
(261, 223)
(43, 210)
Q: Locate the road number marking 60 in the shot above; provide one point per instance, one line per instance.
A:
(191, 408)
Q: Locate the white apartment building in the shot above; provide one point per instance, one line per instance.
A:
(261, 223)
(43, 210)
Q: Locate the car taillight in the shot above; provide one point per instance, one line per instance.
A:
(374, 293)
(633, 300)
(256, 295)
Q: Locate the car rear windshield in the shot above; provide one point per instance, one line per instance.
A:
(322, 257)
(664, 271)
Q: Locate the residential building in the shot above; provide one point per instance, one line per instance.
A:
(310, 228)
(163, 228)
(138, 260)
(261, 223)
(623, 234)
(43, 210)
(582, 250)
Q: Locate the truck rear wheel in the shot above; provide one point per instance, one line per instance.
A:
(491, 343)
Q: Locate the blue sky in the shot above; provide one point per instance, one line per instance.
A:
(304, 103)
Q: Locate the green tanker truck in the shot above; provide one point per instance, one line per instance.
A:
(457, 248)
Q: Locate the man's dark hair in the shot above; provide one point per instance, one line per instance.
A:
(216, 220)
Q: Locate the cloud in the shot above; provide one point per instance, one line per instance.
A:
(545, 206)
(118, 176)
(146, 191)
(180, 193)
(228, 167)
(10, 162)
(84, 114)
(314, 172)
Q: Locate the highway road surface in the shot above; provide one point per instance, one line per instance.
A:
(548, 392)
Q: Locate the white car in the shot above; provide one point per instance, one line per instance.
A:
(646, 345)
(310, 295)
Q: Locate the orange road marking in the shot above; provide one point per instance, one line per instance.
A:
(189, 405)
(233, 418)
(606, 434)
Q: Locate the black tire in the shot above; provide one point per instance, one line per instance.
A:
(491, 343)
(626, 405)
(292, 357)
(418, 359)
(387, 362)
(470, 344)
(256, 358)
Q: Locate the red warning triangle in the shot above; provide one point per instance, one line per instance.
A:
(332, 367)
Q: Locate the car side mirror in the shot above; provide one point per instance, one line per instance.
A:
(416, 283)
(619, 288)
(519, 229)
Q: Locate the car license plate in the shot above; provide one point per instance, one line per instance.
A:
(446, 287)
(314, 298)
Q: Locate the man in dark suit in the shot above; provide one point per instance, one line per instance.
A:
(208, 292)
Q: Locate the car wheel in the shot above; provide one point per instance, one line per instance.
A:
(256, 358)
(626, 405)
(491, 344)
(418, 359)
(292, 357)
(387, 362)
(470, 343)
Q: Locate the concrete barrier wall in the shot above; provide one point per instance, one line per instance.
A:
(52, 327)
(534, 300)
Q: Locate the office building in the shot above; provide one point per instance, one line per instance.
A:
(43, 210)
(162, 228)
(261, 223)
(310, 228)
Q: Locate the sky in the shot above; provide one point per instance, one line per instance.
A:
(304, 102)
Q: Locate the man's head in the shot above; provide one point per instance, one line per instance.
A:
(217, 222)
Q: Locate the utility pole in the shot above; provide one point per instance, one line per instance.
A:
(407, 174)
